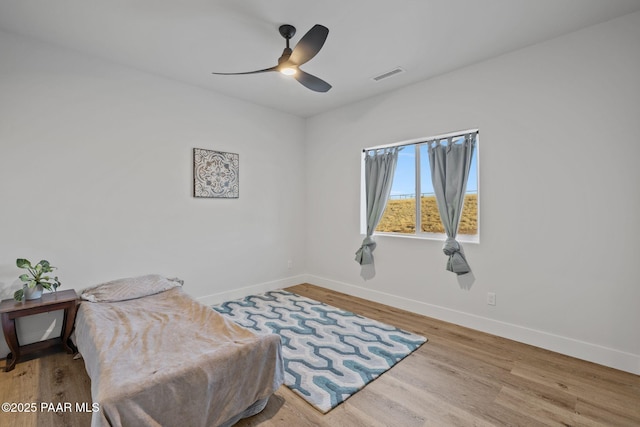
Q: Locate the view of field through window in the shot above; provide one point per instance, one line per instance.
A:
(400, 216)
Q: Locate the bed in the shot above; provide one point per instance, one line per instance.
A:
(157, 357)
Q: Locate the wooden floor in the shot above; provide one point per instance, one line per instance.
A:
(460, 377)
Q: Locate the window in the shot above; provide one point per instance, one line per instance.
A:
(404, 216)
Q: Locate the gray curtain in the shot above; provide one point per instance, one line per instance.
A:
(450, 165)
(379, 168)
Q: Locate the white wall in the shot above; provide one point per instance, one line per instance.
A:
(96, 177)
(559, 204)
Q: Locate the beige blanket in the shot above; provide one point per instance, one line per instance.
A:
(167, 360)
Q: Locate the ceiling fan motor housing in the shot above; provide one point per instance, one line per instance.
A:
(287, 31)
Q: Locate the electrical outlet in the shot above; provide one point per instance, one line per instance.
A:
(491, 298)
(289, 264)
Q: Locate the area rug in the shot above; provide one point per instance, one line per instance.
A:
(329, 354)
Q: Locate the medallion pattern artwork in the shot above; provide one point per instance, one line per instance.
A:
(329, 354)
(215, 174)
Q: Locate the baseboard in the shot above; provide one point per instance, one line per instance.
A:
(595, 353)
(252, 289)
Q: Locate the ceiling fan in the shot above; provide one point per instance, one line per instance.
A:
(290, 60)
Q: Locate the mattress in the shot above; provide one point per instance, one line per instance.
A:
(167, 360)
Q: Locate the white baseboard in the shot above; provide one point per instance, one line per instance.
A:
(250, 290)
(571, 347)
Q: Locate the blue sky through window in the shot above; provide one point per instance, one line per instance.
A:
(404, 179)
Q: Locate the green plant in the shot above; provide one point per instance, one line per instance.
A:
(35, 276)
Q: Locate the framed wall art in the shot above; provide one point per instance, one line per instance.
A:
(215, 174)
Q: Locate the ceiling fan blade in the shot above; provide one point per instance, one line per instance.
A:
(248, 72)
(309, 45)
(311, 82)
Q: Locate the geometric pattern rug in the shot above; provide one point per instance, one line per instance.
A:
(329, 354)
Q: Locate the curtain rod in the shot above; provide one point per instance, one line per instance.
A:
(423, 140)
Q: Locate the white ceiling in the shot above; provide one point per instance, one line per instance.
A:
(186, 40)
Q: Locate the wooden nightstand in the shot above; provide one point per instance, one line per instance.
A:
(11, 309)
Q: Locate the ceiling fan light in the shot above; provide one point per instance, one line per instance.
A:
(288, 71)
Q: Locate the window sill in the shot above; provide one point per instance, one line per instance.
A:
(461, 238)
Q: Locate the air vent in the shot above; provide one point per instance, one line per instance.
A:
(388, 74)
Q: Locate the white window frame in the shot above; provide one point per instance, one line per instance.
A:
(419, 234)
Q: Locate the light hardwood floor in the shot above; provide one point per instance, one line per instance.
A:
(460, 377)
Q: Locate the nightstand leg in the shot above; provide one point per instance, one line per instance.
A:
(67, 327)
(10, 335)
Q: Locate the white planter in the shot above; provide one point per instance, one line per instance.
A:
(32, 293)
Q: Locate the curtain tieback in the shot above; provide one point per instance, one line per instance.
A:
(368, 241)
(457, 262)
(364, 255)
(451, 246)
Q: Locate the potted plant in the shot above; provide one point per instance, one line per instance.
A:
(35, 280)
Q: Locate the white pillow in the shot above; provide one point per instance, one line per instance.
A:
(129, 288)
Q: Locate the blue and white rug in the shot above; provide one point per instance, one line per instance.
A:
(329, 354)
